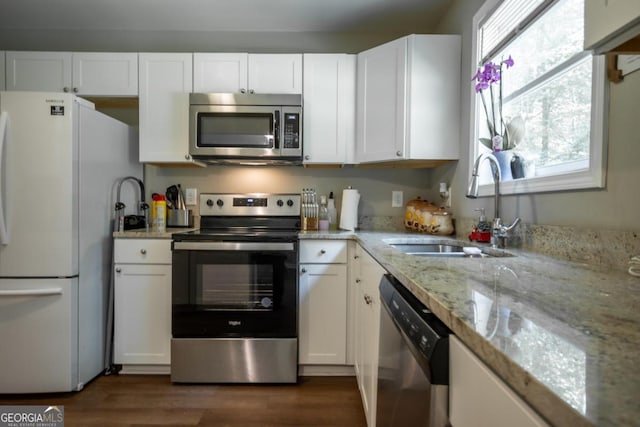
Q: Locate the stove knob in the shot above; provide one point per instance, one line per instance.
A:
(209, 202)
(289, 202)
(280, 203)
(219, 202)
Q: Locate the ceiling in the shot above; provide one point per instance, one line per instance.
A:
(212, 25)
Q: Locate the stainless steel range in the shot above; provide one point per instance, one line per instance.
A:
(235, 291)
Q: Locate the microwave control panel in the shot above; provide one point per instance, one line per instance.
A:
(291, 130)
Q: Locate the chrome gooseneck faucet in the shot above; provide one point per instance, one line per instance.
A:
(142, 205)
(499, 231)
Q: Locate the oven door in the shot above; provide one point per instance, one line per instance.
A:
(234, 289)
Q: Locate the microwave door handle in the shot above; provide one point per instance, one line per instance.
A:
(276, 128)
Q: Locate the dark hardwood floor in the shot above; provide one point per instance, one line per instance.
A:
(137, 400)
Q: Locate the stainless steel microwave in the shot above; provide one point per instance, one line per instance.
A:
(245, 128)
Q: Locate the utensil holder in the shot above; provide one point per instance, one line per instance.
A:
(179, 218)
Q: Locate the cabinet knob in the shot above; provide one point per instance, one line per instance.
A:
(143, 251)
(358, 280)
(356, 256)
(322, 251)
(399, 153)
(187, 157)
(304, 270)
(75, 90)
(368, 299)
(243, 90)
(118, 270)
(65, 89)
(307, 157)
(251, 91)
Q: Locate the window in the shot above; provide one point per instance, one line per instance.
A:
(554, 86)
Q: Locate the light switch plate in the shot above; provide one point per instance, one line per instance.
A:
(396, 199)
(191, 196)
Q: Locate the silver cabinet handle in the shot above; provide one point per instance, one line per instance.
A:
(356, 256)
(118, 270)
(399, 153)
(307, 157)
(187, 157)
(358, 280)
(304, 270)
(322, 251)
(243, 90)
(143, 251)
(75, 90)
(65, 89)
(251, 91)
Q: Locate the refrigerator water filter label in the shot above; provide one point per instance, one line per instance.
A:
(57, 110)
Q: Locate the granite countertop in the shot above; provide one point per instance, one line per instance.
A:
(564, 335)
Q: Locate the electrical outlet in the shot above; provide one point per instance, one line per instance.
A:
(396, 199)
(191, 196)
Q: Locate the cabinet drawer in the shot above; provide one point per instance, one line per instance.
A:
(142, 251)
(323, 251)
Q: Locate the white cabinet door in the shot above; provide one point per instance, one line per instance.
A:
(165, 83)
(142, 314)
(407, 100)
(2, 72)
(329, 108)
(220, 72)
(477, 397)
(275, 73)
(367, 331)
(380, 106)
(105, 74)
(323, 314)
(39, 71)
(607, 24)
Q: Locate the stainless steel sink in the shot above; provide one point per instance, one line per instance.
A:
(429, 249)
(444, 249)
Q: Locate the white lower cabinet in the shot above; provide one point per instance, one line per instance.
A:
(477, 397)
(142, 305)
(366, 305)
(322, 336)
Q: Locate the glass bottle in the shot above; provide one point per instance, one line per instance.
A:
(333, 213)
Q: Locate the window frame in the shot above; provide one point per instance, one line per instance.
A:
(592, 177)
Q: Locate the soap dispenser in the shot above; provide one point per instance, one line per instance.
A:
(482, 231)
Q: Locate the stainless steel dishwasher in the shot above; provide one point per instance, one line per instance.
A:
(413, 366)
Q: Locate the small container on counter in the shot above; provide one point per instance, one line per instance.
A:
(159, 210)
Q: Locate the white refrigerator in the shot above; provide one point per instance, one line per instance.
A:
(59, 160)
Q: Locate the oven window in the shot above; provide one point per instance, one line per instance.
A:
(235, 130)
(236, 286)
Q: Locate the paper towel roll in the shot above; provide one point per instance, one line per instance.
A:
(349, 212)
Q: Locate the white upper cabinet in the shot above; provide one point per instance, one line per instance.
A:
(275, 73)
(39, 71)
(1, 70)
(608, 24)
(220, 72)
(99, 74)
(247, 73)
(408, 100)
(166, 79)
(105, 74)
(329, 108)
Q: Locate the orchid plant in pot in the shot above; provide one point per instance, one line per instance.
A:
(504, 133)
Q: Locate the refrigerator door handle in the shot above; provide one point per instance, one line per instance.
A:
(4, 232)
(31, 292)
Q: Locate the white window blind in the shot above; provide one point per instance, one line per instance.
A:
(510, 17)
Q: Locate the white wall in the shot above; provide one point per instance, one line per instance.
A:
(615, 207)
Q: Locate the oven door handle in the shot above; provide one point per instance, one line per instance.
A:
(233, 246)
